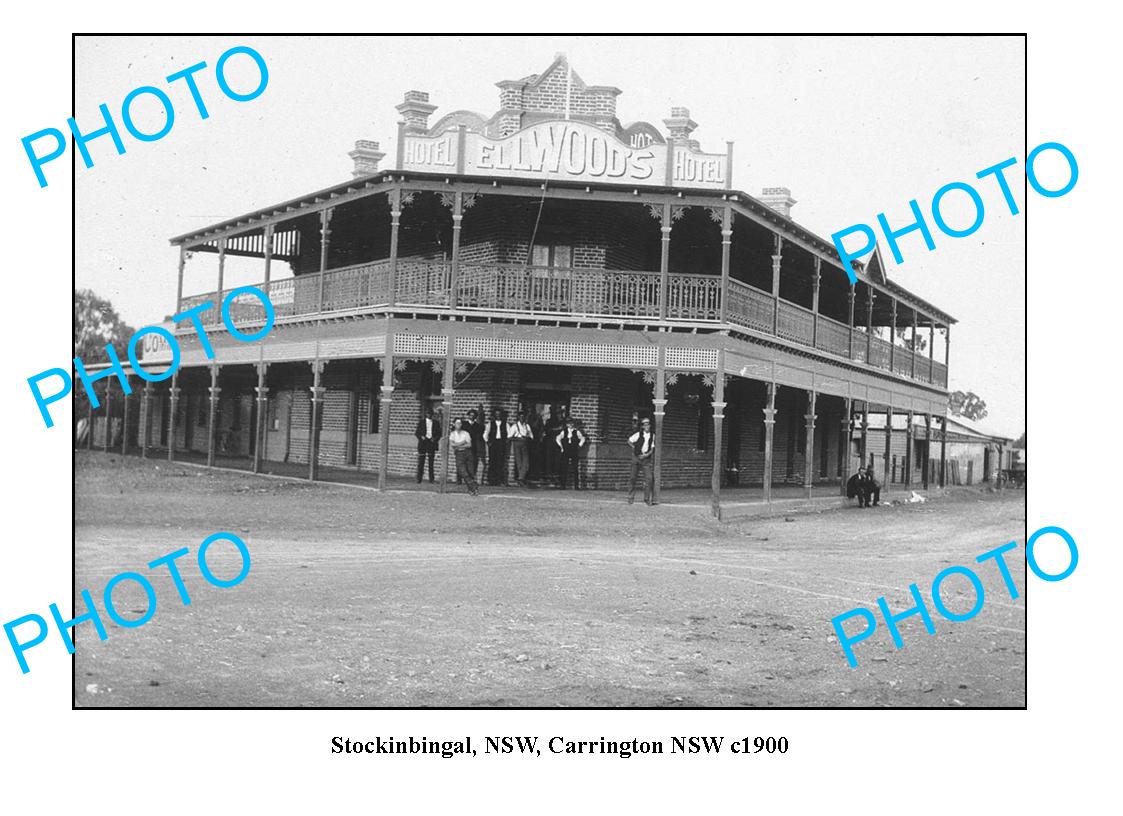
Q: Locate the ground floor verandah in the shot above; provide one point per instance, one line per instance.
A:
(295, 418)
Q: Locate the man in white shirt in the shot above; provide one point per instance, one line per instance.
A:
(642, 443)
(520, 436)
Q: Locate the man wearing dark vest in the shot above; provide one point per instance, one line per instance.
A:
(869, 488)
(570, 441)
(478, 452)
(496, 437)
(643, 461)
(428, 435)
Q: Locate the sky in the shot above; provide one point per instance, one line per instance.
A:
(854, 126)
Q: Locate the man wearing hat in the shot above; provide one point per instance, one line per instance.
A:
(570, 440)
(520, 436)
(868, 487)
(642, 443)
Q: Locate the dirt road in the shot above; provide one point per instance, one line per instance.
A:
(357, 598)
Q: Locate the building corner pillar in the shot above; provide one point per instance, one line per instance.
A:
(262, 396)
(769, 427)
(173, 407)
(212, 415)
(145, 418)
(809, 447)
(317, 404)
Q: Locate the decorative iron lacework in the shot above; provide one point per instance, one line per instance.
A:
(691, 358)
(541, 351)
(425, 345)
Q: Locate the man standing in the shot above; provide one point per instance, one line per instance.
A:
(869, 487)
(550, 453)
(570, 441)
(520, 436)
(478, 451)
(643, 461)
(496, 437)
(428, 434)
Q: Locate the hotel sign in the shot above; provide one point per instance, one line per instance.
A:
(565, 150)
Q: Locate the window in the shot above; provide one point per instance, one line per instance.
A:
(374, 407)
(555, 255)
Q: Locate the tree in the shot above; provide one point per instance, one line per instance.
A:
(919, 344)
(1021, 443)
(96, 325)
(967, 404)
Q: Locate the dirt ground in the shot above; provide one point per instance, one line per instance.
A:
(359, 598)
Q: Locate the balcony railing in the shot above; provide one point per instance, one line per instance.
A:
(594, 293)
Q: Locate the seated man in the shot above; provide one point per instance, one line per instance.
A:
(854, 487)
(867, 487)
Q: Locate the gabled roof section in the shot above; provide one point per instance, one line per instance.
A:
(875, 269)
(561, 61)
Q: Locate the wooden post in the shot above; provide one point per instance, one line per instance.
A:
(314, 429)
(943, 450)
(931, 350)
(777, 258)
(395, 223)
(212, 415)
(892, 334)
(726, 243)
(947, 354)
(124, 421)
(809, 446)
(108, 414)
(851, 299)
(844, 447)
(179, 286)
(173, 405)
(869, 324)
(998, 471)
(325, 242)
(719, 415)
(387, 399)
(865, 431)
(268, 255)
(908, 450)
(660, 403)
(927, 450)
(888, 446)
(454, 283)
(447, 394)
(815, 304)
(221, 274)
(913, 344)
(769, 424)
(262, 410)
(90, 419)
(145, 418)
(664, 280)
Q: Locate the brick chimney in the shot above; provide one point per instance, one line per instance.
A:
(366, 156)
(778, 198)
(680, 126)
(415, 110)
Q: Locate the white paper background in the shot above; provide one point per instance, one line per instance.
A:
(1056, 755)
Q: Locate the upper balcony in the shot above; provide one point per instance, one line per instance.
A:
(594, 295)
